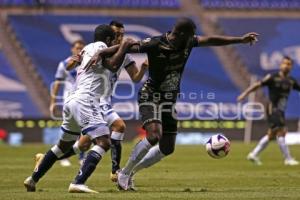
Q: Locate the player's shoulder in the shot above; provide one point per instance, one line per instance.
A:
(91, 47)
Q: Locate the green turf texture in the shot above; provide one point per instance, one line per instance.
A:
(188, 174)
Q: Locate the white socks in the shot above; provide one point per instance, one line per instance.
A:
(262, 144)
(117, 136)
(76, 148)
(153, 156)
(284, 148)
(137, 154)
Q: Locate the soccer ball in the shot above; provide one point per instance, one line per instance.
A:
(218, 146)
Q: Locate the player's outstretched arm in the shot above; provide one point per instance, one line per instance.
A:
(250, 89)
(135, 74)
(248, 38)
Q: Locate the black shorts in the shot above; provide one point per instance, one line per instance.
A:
(164, 114)
(276, 119)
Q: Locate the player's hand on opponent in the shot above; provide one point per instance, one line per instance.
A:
(250, 38)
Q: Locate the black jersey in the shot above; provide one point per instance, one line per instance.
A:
(166, 64)
(279, 89)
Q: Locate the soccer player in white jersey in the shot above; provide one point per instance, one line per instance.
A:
(66, 79)
(82, 114)
(114, 121)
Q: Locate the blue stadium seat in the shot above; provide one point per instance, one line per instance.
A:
(253, 4)
(167, 4)
(14, 99)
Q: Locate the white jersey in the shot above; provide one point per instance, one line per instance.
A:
(91, 81)
(113, 77)
(81, 112)
(67, 78)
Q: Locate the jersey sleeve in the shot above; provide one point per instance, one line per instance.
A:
(296, 85)
(128, 60)
(147, 45)
(267, 80)
(60, 72)
(89, 51)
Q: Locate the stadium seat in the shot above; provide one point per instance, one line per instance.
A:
(15, 101)
(166, 4)
(253, 4)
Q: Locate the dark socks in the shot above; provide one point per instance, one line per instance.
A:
(116, 151)
(49, 159)
(88, 167)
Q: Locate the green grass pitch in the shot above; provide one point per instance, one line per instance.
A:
(188, 174)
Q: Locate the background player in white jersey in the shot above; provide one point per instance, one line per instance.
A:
(82, 113)
(66, 79)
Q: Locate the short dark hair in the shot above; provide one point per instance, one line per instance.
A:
(185, 26)
(102, 32)
(80, 41)
(116, 24)
(288, 58)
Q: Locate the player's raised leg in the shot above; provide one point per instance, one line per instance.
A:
(154, 131)
(165, 147)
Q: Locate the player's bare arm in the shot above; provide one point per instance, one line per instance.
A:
(74, 62)
(117, 52)
(53, 96)
(135, 74)
(114, 62)
(248, 38)
(250, 89)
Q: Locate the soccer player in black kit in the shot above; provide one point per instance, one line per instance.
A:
(167, 55)
(280, 85)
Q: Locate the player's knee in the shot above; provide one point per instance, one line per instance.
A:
(84, 143)
(271, 135)
(119, 126)
(154, 133)
(103, 142)
(153, 136)
(84, 146)
(167, 149)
